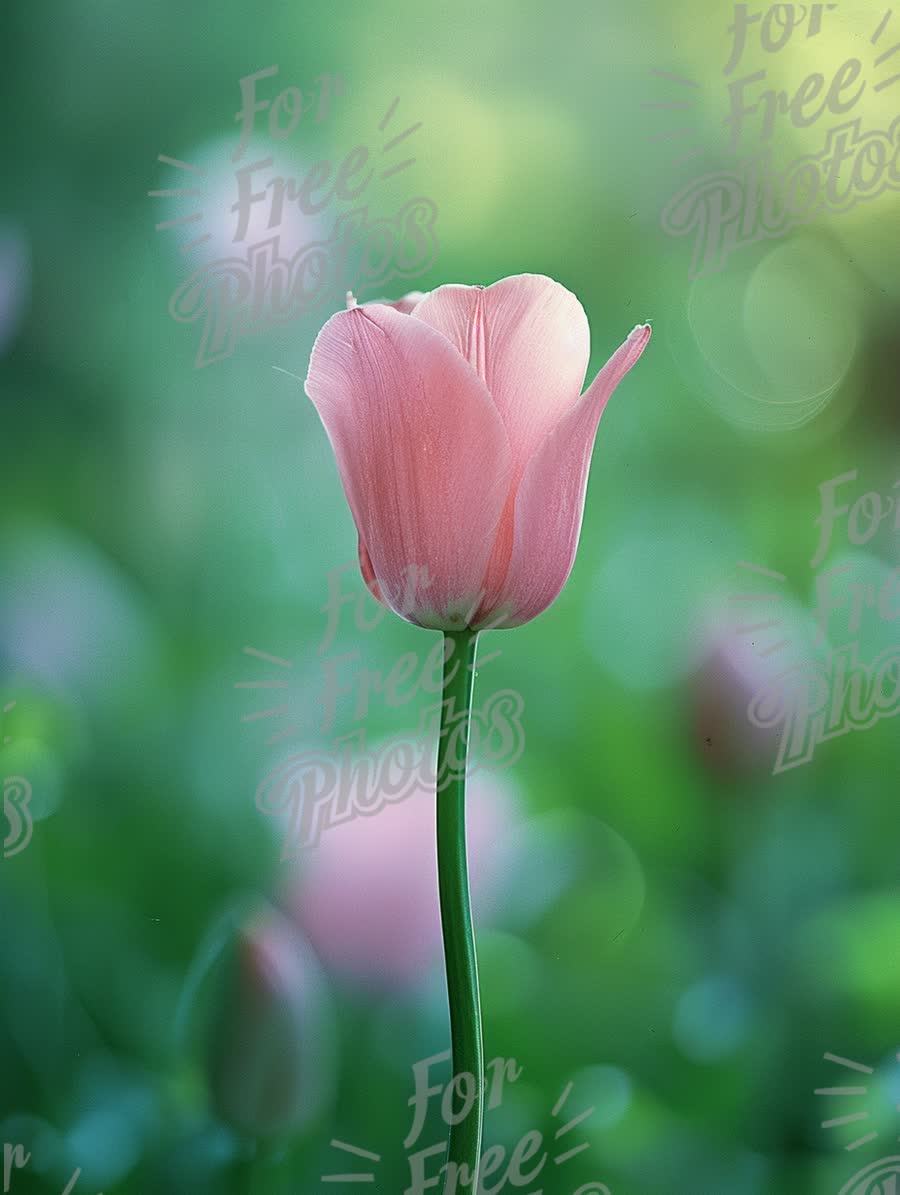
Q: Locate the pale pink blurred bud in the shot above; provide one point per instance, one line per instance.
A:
(464, 442)
(271, 1050)
(367, 898)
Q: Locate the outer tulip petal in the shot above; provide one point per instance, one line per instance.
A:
(422, 453)
(550, 501)
(528, 338)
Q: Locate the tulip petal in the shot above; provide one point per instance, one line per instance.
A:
(550, 500)
(528, 338)
(423, 456)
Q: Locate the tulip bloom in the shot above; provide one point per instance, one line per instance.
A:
(464, 443)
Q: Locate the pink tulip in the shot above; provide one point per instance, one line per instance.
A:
(464, 443)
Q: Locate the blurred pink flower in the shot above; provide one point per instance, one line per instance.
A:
(731, 675)
(270, 1058)
(464, 443)
(367, 895)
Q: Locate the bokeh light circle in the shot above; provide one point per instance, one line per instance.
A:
(773, 335)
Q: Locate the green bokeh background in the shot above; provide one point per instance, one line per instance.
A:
(705, 931)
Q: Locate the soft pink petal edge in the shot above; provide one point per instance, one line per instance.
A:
(405, 305)
(550, 503)
(528, 337)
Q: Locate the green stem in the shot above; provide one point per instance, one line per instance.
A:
(456, 913)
